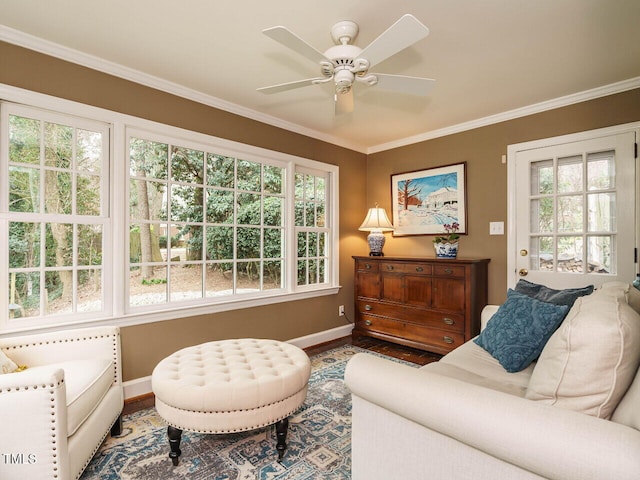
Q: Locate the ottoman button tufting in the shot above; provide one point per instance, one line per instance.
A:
(230, 386)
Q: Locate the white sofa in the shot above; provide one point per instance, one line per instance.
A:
(465, 417)
(55, 414)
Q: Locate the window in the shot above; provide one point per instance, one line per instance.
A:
(56, 214)
(311, 227)
(202, 225)
(572, 218)
(121, 218)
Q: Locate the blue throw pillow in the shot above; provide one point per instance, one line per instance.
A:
(519, 330)
(549, 295)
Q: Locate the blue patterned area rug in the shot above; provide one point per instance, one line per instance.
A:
(318, 441)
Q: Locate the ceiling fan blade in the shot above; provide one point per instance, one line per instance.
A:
(344, 102)
(291, 40)
(282, 87)
(403, 84)
(402, 34)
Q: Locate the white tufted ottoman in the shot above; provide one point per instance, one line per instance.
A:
(230, 386)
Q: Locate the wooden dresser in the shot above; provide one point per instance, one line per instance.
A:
(427, 303)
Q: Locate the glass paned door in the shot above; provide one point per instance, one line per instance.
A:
(575, 212)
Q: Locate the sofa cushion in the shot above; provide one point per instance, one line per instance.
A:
(6, 364)
(472, 364)
(520, 328)
(627, 411)
(590, 361)
(558, 297)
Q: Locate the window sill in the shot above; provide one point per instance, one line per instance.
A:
(139, 318)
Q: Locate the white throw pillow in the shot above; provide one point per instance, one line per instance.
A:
(6, 364)
(633, 299)
(631, 294)
(590, 361)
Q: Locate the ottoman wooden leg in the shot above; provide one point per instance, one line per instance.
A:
(174, 435)
(281, 435)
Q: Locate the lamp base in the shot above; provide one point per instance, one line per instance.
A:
(376, 242)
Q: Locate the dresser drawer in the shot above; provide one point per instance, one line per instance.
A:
(439, 340)
(401, 267)
(366, 266)
(449, 321)
(449, 270)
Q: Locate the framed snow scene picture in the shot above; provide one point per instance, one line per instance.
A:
(424, 201)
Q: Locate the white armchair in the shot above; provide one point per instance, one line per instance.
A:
(55, 414)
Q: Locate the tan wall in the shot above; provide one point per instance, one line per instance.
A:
(482, 149)
(144, 345)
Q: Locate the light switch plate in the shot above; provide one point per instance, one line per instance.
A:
(496, 228)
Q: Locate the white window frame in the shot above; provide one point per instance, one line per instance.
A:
(121, 125)
(512, 151)
(42, 217)
(326, 229)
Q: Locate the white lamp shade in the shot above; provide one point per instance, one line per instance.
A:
(376, 220)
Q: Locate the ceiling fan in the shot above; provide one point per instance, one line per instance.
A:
(345, 63)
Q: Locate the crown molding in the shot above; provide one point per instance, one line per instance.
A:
(37, 44)
(52, 49)
(574, 98)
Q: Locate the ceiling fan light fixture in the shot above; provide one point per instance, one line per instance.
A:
(343, 79)
(326, 68)
(370, 79)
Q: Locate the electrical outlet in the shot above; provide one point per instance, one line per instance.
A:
(341, 310)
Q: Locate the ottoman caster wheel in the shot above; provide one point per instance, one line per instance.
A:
(174, 435)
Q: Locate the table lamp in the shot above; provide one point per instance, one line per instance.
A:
(375, 223)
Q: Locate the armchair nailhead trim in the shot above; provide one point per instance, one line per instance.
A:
(114, 338)
(95, 449)
(54, 442)
(33, 387)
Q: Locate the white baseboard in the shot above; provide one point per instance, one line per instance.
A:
(322, 337)
(142, 386)
(137, 387)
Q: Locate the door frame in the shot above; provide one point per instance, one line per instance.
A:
(512, 150)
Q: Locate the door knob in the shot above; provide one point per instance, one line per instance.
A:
(523, 272)
(524, 252)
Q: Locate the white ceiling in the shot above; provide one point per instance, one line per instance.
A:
(488, 57)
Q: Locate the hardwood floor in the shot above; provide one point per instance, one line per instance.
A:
(412, 355)
(408, 354)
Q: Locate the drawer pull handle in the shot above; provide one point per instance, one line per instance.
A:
(367, 266)
(448, 271)
(368, 308)
(419, 269)
(389, 267)
(368, 323)
(447, 339)
(448, 321)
